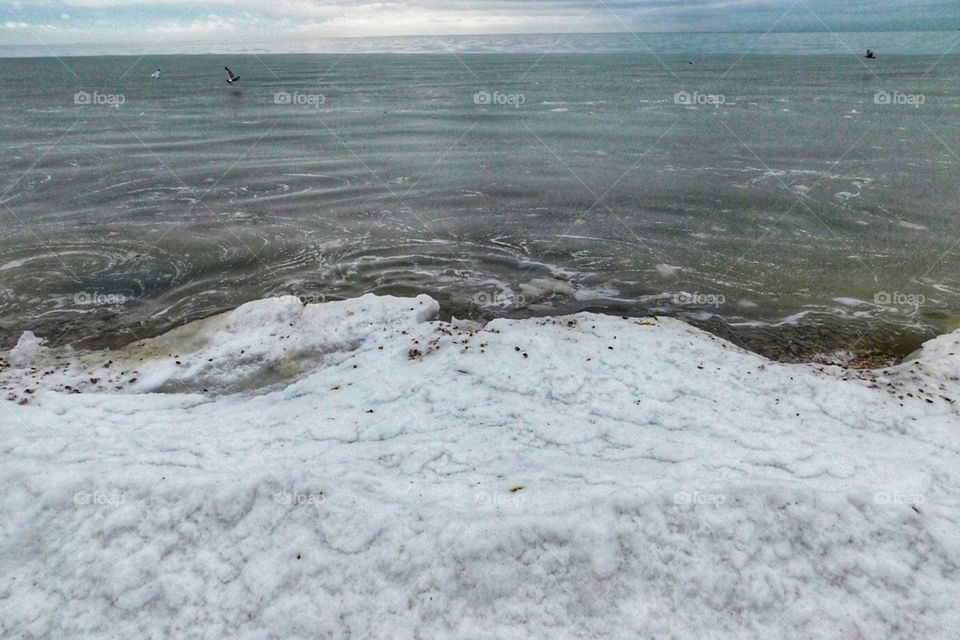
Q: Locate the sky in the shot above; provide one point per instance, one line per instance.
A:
(52, 22)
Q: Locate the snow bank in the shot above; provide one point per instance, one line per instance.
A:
(356, 470)
(256, 345)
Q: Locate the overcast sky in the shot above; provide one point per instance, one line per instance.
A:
(130, 21)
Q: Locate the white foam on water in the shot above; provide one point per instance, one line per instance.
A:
(911, 225)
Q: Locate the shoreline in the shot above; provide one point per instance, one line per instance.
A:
(839, 343)
(34, 366)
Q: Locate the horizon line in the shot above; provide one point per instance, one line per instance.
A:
(477, 35)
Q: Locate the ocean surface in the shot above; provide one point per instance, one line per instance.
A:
(778, 189)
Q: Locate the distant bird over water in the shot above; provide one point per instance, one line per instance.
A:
(156, 74)
(231, 78)
(870, 55)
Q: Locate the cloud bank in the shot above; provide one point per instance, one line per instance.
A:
(126, 21)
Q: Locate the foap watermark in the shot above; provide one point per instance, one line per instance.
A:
(515, 499)
(297, 498)
(298, 98)
(896, 498)
(699, 99)
(898, 299)
(497, 298)
(699, 498)
(896, 98)
(515, 100)
(98, 499)
(85, 98)
(682, 298)
(304, 298)
(98, 299)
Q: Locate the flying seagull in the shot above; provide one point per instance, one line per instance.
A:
(155, 74)
(230, 77)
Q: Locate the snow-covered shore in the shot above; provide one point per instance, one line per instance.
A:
(357, 470)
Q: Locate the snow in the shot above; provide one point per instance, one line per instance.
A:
(26, 349)
(356, 469)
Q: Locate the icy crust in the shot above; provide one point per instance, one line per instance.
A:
(937, 359)
(258, 344)
(586, 476)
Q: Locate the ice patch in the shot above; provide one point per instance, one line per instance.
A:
(667, 271)
(538, 288)
(852, 302)
(28, 348)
